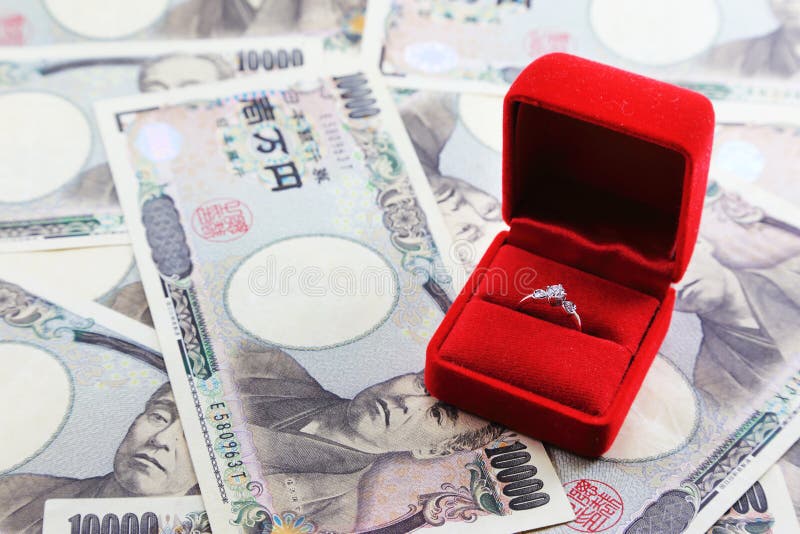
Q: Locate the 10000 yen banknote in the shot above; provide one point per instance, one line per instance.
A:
(288, 248)
(65, 363)
(45, 22)
(729, 50)
(56, 190)
(154, 515)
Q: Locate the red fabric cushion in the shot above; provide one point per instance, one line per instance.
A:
(608, 311)
(557, 362)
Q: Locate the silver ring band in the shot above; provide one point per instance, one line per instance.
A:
(555, 295)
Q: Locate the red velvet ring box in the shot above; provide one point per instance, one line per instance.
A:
(604, 176)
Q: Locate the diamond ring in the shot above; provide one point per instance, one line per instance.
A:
(555, 295)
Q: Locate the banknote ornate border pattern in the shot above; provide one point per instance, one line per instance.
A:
(196, 522)
(459, 503)
(73, 226)
(198, 355)
(759, 429)
(738, 92)
(680, 506)
(402, 215)
(21, 309)
(171, 254)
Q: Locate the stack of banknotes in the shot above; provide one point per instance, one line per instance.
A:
(228, 229)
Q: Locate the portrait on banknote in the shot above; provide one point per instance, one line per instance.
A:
(747, 306)
(70, 372)
(323, 446)
(151, 460)
(438, 131)
(211, 18)
(772, 55)
(174, 71)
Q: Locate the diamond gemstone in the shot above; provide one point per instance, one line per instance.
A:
(556, 291)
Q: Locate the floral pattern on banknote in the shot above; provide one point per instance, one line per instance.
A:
(21, 309)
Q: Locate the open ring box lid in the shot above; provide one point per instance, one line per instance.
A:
(604, 177)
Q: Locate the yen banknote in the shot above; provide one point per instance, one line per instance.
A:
(155, 515)
(56, 190)
(66, 362)
(43, 22)
(731, 50)
(288, 248)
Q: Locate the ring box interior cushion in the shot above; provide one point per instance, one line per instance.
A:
(604, 176)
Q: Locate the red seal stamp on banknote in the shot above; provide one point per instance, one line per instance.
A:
(14, 29)
(598, 506)
(222, 219)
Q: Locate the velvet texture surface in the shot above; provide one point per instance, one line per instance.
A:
(604, 175)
